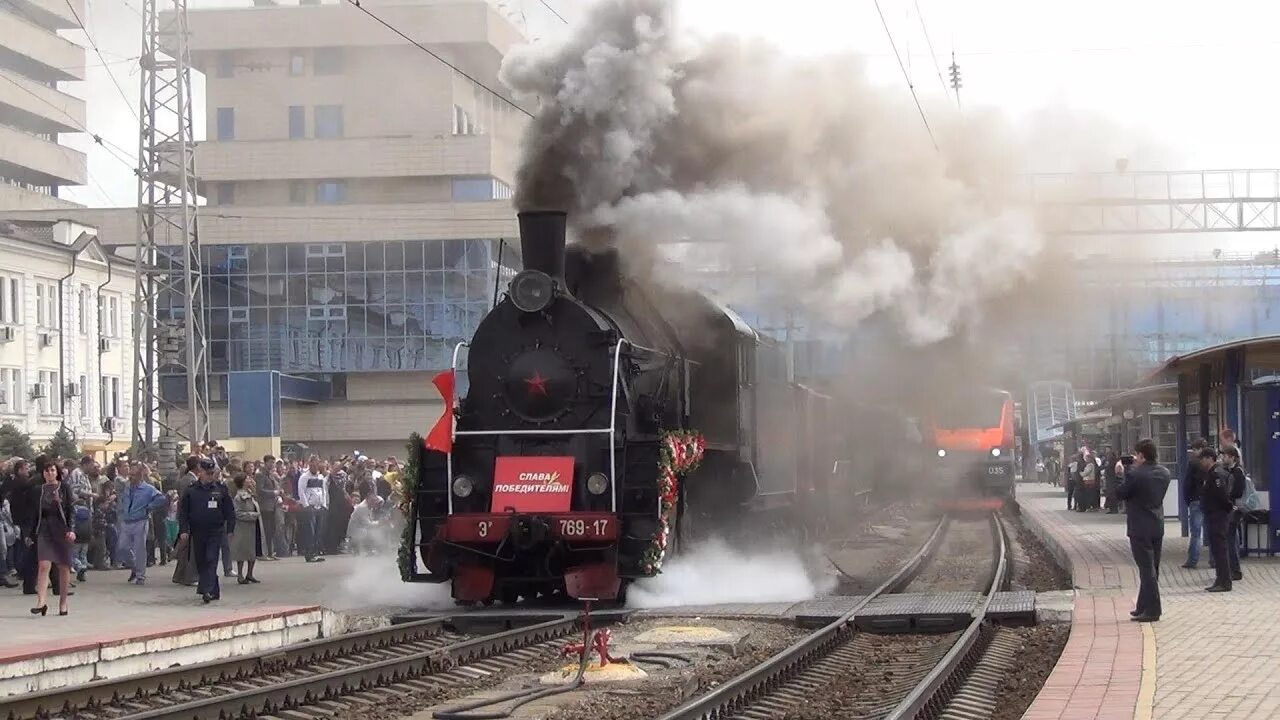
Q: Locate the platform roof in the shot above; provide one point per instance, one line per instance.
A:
(1266, 346)
(1146, 392)
(1085, 419)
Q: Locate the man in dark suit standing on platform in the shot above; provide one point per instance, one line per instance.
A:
(1145, 483)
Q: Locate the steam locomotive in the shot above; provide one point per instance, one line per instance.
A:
(577, 378)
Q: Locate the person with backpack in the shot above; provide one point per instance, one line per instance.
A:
(1231, 461)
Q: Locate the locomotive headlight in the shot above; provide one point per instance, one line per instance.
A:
(942, 453)
(995, 452)
(597, 483)
(532, 290)
(462, 486)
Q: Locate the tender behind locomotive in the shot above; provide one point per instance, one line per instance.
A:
(575, 378)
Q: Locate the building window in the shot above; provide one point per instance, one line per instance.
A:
(297, 62)
(331, 191)
(328, 121)
(85, 314)
(10, 391)
(47, 305)
(84, 398)
(297, 192)
(331, 250)
(479, 189)
(328, 61)
(50, 393)
(297, 122)
(10, 300)
(109, 396)
(226, 123)
(109, 316)
(226, 193)
(225, 66)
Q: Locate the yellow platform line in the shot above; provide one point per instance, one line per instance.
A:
(1147, 689)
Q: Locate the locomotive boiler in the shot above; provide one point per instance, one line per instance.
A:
(585, 385)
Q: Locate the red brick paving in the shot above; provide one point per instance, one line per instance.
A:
(1100, 670)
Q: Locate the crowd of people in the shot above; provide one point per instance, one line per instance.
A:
(1218, 491)
(62, 518)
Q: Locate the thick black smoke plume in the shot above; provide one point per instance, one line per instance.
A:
(802, 170)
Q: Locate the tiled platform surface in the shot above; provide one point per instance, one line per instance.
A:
(105, 609)
(1210, 656)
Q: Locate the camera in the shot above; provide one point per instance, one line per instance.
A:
(1126, 460)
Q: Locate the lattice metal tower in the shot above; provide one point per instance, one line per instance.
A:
(171, 392)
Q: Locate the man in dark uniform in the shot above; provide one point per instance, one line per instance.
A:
(205, 518)
(1215, 500)
(1143, 489)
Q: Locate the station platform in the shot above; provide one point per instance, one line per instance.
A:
(1209, 656)
(115, 628)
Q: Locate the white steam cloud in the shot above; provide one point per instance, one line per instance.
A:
(373, 582)
(802, 170)
(714, 573)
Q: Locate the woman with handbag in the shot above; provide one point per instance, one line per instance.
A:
(246, 541)
(53, 536)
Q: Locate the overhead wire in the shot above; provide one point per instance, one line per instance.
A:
(92, 43)
(444, 62)
(932, 54)
(114, 150)
(547, 5)
(906, 75)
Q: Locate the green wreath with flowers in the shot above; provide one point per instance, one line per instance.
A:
(681, 452)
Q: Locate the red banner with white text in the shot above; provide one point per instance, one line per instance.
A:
(532, 484)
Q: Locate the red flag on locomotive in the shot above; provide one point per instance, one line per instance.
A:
(441, 436)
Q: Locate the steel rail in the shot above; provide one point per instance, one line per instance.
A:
(332, 685)
(930, 696)
(68, 700)
(741, 691)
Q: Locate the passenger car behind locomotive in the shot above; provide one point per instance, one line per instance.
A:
(575, 377)
(972, 433)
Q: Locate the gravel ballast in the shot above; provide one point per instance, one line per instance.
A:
(1042, 645)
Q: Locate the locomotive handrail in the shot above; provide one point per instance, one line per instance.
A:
(453, 426)
(612, 430)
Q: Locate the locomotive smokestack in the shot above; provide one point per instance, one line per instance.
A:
(542, 237)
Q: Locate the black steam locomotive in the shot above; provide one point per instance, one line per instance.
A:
(577, 378)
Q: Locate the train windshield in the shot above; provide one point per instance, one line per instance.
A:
(981, 409)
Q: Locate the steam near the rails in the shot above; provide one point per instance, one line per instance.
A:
(715, 573)
(799, 168)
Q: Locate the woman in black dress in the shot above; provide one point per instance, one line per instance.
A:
(54, 536)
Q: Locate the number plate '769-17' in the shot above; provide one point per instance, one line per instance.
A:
(493, 528)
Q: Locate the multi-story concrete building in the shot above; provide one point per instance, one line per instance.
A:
(358, 190)
(357, 202)
(66, 334)
(33, 111)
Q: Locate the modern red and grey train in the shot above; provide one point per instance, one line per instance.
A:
(585, 385)
(971, 435)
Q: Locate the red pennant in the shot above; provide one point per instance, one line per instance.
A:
(441, 436)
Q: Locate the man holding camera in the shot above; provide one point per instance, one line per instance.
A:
(1143, 489)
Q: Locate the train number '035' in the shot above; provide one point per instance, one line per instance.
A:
(583, 528)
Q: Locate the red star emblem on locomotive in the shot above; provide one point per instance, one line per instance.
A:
(537, 384)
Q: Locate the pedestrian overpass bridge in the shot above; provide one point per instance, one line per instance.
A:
(1157, 202)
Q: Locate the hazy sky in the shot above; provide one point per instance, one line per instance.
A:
(1174, 74)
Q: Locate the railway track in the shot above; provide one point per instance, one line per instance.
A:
(912, 678)
(316, 678)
